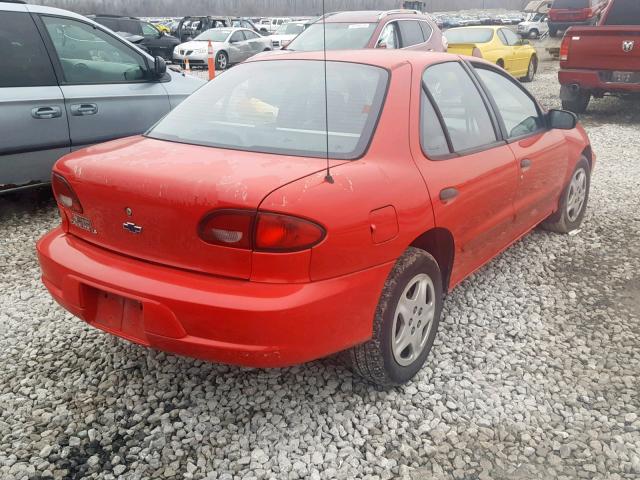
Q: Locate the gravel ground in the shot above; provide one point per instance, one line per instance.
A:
(534, 374)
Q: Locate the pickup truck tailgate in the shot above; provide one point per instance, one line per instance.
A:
(608, 48)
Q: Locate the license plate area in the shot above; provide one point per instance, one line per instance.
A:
(625, 77)
(118, 314)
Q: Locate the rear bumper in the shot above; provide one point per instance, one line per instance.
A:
(211, 318)
(593, 81)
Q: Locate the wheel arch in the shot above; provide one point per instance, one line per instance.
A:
(439, 243)
(588, 154)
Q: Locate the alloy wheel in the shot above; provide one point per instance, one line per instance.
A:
(577, 194)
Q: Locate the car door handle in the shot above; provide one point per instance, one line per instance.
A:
(46, 112)
(448, 194)
(525, 164)
(83, 109)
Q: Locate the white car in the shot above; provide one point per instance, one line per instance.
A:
(286, 33)
(230, 46)
(534, 26)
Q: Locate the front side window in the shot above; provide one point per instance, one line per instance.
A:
(389, 37)
(340, 36)
(149, 30)
(24, 60)
(89, 55)
(279, 107)
(411, 33)
(518, 111)
(463, 111)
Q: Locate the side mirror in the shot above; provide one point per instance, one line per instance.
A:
(562, 119)
(159, 67)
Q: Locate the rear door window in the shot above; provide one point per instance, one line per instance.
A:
(571, 4)
(427, 31)
(389, 38)
(461, 106)
(432, 136)
(410, 33)
(25, 62)
(510, 37)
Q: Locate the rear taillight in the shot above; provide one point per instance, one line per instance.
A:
(64, 194)
(564, 47)
(285, 233)
(269, 232)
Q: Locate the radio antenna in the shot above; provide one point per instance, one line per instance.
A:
(328, 176)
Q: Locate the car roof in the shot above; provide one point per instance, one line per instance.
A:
(388, 59)
(369, 16)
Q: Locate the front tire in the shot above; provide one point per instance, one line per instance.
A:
(573, 202)
(222, 61)
(405, 322)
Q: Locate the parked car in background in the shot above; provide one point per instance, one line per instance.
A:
(190, 27)
(596, 61)
(534, 26)
(287, 32)
(156, 42)
(275, 23)
(68, 82)
(231, 46)
(498, 45)
(568, 13)
(371, 29)
(249, 256)
(243, 22)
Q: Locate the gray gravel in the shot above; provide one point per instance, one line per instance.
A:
(534, 374)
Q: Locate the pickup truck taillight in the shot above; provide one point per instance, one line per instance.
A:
(564, 47)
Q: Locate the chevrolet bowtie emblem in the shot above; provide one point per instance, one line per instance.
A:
(132, 227)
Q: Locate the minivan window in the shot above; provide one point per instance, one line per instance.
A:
(464, 113)
(279, 107)
(519, 112)
(24, 60)
(340, 36)
(410, 32)
(89, 55)
(625, 12)
(469, 35)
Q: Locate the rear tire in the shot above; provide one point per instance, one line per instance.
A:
(578, 104)
(531, 70)
(573, 201)
(405, 322)
(500, 63)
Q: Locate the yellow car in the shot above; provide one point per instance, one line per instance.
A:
(497, 45)
(162, 28)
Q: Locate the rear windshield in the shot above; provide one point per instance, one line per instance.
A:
(279, 107)
(624, 12)
(567, 4)
(469, 35)
(340, 36)
(214, 34)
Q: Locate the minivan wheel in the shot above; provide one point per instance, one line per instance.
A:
(579, 103)
(573, 202)
(222, 61)
(405, 322)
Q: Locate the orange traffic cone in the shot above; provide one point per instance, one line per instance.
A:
(211, 62)
(187, 67)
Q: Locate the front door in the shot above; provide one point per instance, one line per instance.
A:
(106, 84)
(471, 175)
(33, 123)
(541, 154)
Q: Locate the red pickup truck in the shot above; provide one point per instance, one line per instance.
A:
(600, 60)
(567, 13)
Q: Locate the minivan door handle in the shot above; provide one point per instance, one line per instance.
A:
(45, 113)
(448, 194)
(83, 109)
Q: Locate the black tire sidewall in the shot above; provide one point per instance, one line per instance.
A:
(584, 164)
(397, 373)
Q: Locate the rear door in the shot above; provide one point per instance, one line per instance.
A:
(33, 122)
(541, 154)
(106, 83)
(470, 172)
(254, 43)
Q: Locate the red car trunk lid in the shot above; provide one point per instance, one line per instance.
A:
(144, 198)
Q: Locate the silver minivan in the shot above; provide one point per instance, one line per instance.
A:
(67, 82)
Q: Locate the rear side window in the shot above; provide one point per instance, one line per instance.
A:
(462, 109)
(518, 111)
(25, 62)
(410, 32)
(510, 37)
(427, 31)
(624, 12)
(279, 107)
(432, 137)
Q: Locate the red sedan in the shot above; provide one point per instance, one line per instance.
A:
(221, 234)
